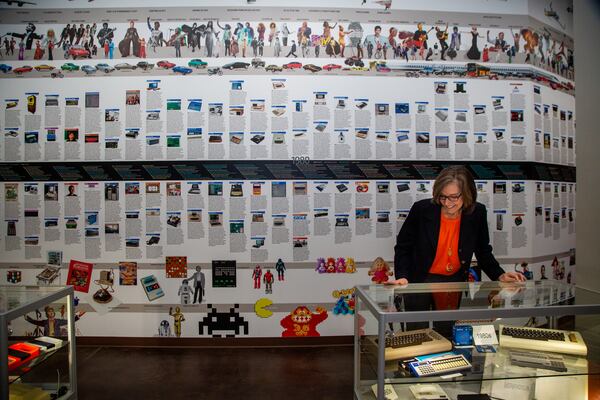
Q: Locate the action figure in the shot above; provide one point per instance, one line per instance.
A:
(380, 271)
(256, 274)
(330, 267)
(164, 329)
(350, 266)
(156, 35)
(340, 265)
(280, 268)
(199, 283)
(131, 42)
(268, 279)
(442, 37)
(105, 34)
(178, 318)
(474, 53)
(185, 293)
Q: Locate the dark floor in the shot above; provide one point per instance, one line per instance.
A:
(289, 373)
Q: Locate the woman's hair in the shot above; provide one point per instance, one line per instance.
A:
(460, 175)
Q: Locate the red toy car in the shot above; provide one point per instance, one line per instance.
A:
(22, 70)
(330, 67)
(293, 65)
(77, 51)
(165, 64)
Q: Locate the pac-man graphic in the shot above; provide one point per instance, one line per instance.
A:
(260, 308)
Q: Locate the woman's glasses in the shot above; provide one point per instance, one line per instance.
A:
(453, 198)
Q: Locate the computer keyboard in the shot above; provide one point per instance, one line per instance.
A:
(415, 343)
(530, 359)
(441, 365)
(550, 340)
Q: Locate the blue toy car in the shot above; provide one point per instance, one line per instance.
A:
(5, 68)
(88, 69)
(182, 70)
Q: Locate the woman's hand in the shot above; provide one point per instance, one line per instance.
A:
(512, 277)
(401, 281)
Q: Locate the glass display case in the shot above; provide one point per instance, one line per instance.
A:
(531, 340)
(38, 340)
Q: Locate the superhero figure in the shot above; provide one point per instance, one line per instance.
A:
(302, 322)
(256, 274)
(268, 279)
(29, 36)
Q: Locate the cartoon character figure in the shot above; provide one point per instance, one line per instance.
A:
(330, 265)
(164, 329)
(350, 265)
(380, 271)
(340, 265)
(302, 322)
(256, 274)
(341, 306)
(321, 268)
(280, 268)
(178, 318)
(268, 279)
(185, 292)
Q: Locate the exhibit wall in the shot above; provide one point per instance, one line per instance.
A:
(234, 168)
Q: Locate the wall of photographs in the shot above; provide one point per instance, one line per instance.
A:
(282, 172)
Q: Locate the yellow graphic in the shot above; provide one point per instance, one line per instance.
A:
(260, 308)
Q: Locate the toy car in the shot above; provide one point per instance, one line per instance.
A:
(354, 61)
(69, 67)
(330, 67)
(312, 68)
(257, 62)
(44, 67)
(274, 68)
(123, 66)
(88, 69)
(382, 68)
(77, 51)
(182, 70)
(104, 68)
(359, 69)
(57, 74)
(292, 65)
(236, 65)
(165, 64)
(22, 70)
(197, 63)
(5, 68)
(215, 71)
(145, 65)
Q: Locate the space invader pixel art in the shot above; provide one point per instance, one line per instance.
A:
(13, 276)
(176, 267)
(223, 324)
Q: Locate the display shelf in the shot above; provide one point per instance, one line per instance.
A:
(16, 302)
(382, 310)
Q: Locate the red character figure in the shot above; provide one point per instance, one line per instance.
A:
(486, 54)
(268, 279)
(380, 271)
(142, 48)
(302, 322)
(330, 265)
(106, 48)
(39, 53)
(256, 276)
(340, 265)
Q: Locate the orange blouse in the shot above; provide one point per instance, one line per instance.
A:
(446, 260)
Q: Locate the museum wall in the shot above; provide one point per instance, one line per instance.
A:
(154, 145)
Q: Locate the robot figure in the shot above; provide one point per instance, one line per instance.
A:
(268, 279)
(199, 282)
(178, 318)
(164, 329)
(185, 292)
(256, 274)
(280, 268)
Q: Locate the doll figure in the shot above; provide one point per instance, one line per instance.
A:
(330, 265)
(321, 266)
(350, 266)
(340, 265)
(380, 271)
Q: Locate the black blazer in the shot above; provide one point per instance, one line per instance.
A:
(417, 241)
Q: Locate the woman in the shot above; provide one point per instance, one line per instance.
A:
(440, 235)
(342, 39)
(474, 53)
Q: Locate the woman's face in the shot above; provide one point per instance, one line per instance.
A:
(451, 199)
